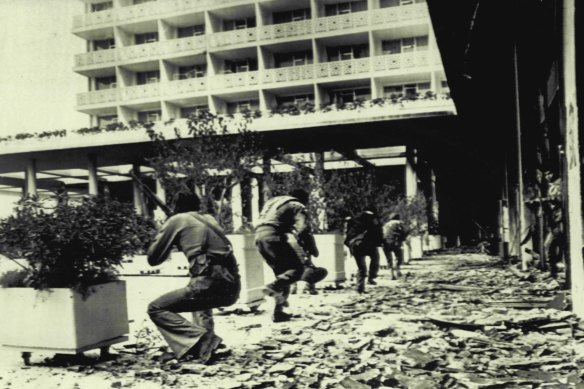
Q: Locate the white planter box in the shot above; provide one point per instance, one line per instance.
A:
(415, 247)
(251, 269)
(432, 242)
(60, 320)
(332, 256)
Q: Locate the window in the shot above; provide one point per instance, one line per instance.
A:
(193, 71)
(240, 65)
(406, 2)
(388, 3)
(149, 116)
(421, 43)
(298, 100)
(151, 77)
(391, 47)
(393, 90)
(184, 32)
(242, 106)
(104, 44)
(136, 2)
(106, 120)
(350, 95)
(293, 59)
(342, 53)
(96, 7)
(185, 112)
(444, 84)
(410, 90)
(102, 83)
(147, 37)
(238, 24)
(408, 45)
(344, 8)
(291, 16)
(423, 86)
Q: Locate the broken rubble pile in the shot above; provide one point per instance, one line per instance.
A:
(439, 327)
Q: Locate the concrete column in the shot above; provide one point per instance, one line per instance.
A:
(236, 207)
(93, 186)
(434, 197)
(411, 177)
(30, 178)
(255, 199)
(161, 194)
(318, 194)
(571, 159)
(138, 197)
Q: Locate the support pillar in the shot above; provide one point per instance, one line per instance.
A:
(411, 177)
(161, 194)
(267, 171)
(138, 197)
(255, 200)
(318, 193)
(236, 207)
(30, 188)
(571, 160)
(93, 186)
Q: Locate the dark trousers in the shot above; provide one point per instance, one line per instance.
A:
(391, 249)
(554, 249)
(282, 258)
(360, 253)
(200, 296)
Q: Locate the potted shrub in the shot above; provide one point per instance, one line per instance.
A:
(66, 298)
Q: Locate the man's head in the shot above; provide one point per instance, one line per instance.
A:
(301, 195)
(187, 202)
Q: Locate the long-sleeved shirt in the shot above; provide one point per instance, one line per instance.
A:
(190, 235)
(285, 214)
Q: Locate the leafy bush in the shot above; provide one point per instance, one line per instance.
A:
(73, 245)
(14, 279)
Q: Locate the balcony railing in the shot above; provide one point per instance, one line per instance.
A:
(137, 92)
(95, 57)
(182, 45)
(286, 30)
(143, 51)
(343, 68)
(360, 66)
(190, 85)
(98, 97)
(323, 24)
(380, 17)
(94, 18)
(292, 73)
(235, 80)
(232, 37)
(403, 61)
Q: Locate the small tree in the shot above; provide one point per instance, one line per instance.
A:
(214, 155)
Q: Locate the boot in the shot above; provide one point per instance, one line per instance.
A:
(281, 316)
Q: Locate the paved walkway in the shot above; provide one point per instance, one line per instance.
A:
(448, 323)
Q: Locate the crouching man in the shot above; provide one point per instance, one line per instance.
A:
(214, 281)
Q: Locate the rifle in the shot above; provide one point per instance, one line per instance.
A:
(145, 189)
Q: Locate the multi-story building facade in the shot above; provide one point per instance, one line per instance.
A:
(162, 59)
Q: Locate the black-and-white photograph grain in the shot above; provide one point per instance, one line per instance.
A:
(291, 194)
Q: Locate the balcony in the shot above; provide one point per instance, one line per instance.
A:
(343, 68)
(143, 52)
(138, 92)
(341, 22)
(139, 11)
(404, 61)
(183, 45)
(98, 97)
(190, 85)
(94, 19)
(96, 57)
(404, 13)
(236, 80)
(286, 30)
(287, 74)
(233, 37)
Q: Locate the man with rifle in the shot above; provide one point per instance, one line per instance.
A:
(214, 279)
(280, 216)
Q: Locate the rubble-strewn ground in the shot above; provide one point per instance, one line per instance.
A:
(458, 321)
